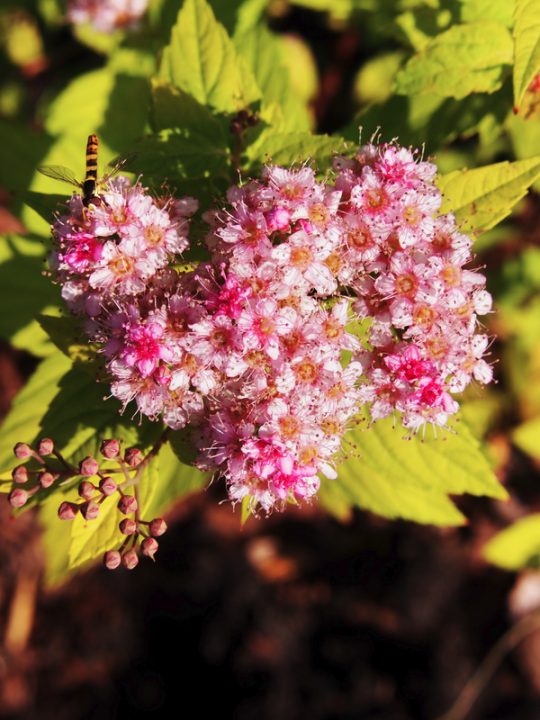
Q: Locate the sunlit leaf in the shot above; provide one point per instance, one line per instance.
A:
(517, 546)
(464, 59)
(410, 479)
(202, 61)
(527, 46)
(485, 196)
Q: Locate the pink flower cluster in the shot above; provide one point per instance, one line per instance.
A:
(106, 15)
(250, 348)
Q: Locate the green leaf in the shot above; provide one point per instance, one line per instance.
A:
(410, 479)
(486, 195)
(264, 54)
(478, 10)
(172, 108)
(56, 539)
(201, 60)
(23, 422)
(65, 333)
(517, 546)
(287, 148)
(527, 46)
(526, 437)
(44, 204)
(464, 59)
(184, 154)
(23, 291)
(176, 481)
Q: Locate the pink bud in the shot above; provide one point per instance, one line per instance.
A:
(20, 474)
(128, 527)
(157, 527)
(46, 479)
(45, 446)
(133, 457)
(112, 559)
(130, 559)
(68, 511)
(127, 504)
(107, 486)
(88, 466)
(149, 547)
(109, 449)
(22, 451)
(86, 489)
(89, 510)
(17, 497)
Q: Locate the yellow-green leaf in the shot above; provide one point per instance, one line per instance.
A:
(527, 437)
(202, 61)
(527, 46)
(410, 479)
(517, 546)
(485, 196)
(466, 58)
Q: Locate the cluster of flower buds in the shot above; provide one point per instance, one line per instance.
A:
(250, 348)
(106, 15)
(92, 496)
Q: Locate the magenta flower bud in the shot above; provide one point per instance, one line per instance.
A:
(157, 527)
(45, 446)
(68, 510)
(108, 486)
(133, 457)
(128, 527)
(89, 510)
(20, 474)
(88, 466)
(22, 451)
(17, 497)
(109, 449)
(130, 559)
(86, 489)
(46, 479)
(127, 504)
(149, 547)
(112, 559)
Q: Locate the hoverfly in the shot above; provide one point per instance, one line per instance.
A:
(90, 186)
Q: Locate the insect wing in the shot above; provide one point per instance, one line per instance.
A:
(117, 164)
(58, 172)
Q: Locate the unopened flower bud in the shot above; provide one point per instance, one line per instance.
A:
(45, 446)
(128, 527)
(127, 504)
(20, 474)
(17, 497)
(22, 451)
(130, 559)
(253, 120)
(89, 510)
(68, 511)
(46, 479)
(149, 547)
(133, 457)
(112, 559)
(109, 449)
(235, 128)
(157, 527)
(86, 489)
(88, 466)
(108, 486)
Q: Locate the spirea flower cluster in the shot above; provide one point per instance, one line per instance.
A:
(250, 347)
(106, 15)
